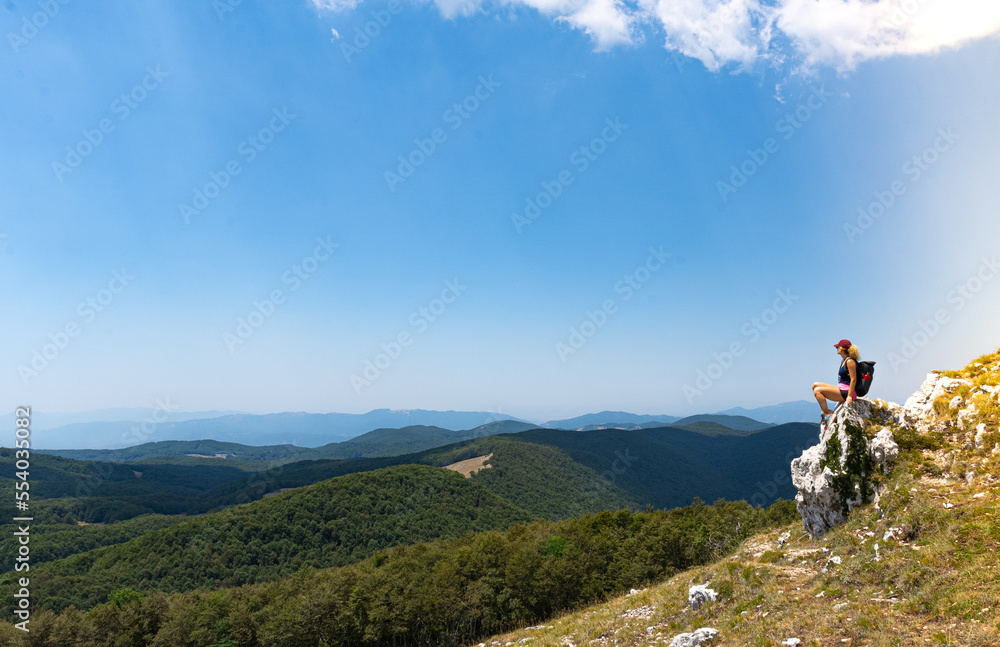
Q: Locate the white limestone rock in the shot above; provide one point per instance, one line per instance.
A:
(818, 502)
(694, 638)
(883, 448)
(980, 434)
(967, 414)
(835, 560)
(918, 411)
(699, 594)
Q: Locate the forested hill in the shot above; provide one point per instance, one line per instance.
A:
(557, 474)
(669, 467)
(335, 522)
(444, 593)
(550, 473)
(380, 502)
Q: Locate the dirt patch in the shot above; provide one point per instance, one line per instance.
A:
(277, 492)
(469, 467)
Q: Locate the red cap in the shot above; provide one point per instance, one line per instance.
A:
(843, 343)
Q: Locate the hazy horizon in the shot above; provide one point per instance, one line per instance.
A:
(217, 413)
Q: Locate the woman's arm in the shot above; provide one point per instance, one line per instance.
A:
(852, 368)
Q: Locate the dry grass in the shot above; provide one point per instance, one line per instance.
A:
(936, 581)
(470, 466)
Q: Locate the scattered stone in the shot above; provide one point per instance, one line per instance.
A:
(835, 560)
(956, 402)
(791, 642)
(980, 432)
(783, 539)
(694, 638)
(979, 496)
(643, 612)
(700, 594)
(948, 506)
(967, 414)
(892, 533)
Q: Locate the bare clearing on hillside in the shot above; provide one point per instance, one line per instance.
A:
(470, 466)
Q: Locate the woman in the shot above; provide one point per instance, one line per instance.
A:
(847, 379)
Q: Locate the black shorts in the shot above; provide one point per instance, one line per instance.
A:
(843, 394)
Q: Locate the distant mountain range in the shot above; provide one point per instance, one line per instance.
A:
(301, 429)
(43, 420)
(777, 414)
(121, 428)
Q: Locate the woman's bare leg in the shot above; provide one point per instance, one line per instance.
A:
(824, 392)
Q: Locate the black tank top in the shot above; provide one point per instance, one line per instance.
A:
(845, 373)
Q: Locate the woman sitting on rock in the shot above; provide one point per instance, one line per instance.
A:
(847, 379)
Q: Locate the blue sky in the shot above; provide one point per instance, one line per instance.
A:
(366, 205)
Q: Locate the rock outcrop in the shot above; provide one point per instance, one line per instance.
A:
(883, 449)
(694, 638)
(918, 412)
(833, 477)
(699, 594)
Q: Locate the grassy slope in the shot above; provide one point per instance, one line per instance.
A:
(939, 584)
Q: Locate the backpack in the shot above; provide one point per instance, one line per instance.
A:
(865, 372)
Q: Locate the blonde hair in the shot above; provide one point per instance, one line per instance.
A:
(854, 352)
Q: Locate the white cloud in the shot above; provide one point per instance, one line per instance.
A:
(606, 21)
(453, 8)
(334, 5)
(807, 33)
(844, 33)
(715, 32)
